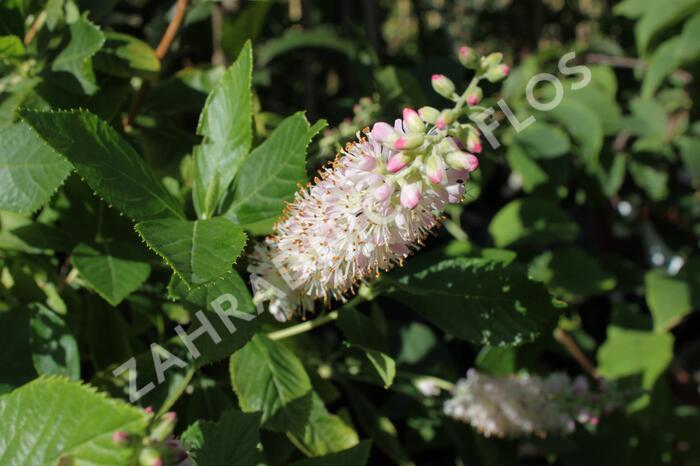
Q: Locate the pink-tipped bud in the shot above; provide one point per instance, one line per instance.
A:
(445, 119)
(383, 133)
(148, 410)
(462, 161)
(164, 427)
(474, 96)
(467, 57)
(384, 192)
(120, 437)
(435, 169)
(412, 121)
(492, 60)
(367, 163)
(150, 457)
(397, 162)
(594, 420)
(474, 142)
(410, 195)
(409, 141)
(428, 114)
(443, 85)
(497, 73)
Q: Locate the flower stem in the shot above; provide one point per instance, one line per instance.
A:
(312, 324)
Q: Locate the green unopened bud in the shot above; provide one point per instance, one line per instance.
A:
(467, 57)
(428, 114)
(412, 121)
(492, 60)
(150, 457)
(497, 73)
(445, 119)
(164, 426)
(443, 85)
(447, 145)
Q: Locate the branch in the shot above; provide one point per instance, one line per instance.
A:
(35, 28)
(160, 52)
(570, 345)
(633, 63)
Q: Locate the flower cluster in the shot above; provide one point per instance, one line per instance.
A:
(526, 404)
(375, 203)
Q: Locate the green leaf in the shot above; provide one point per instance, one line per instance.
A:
(126, 56)
(584, 126)
(652, 180)
(362, 332)
(198, 251)
(629, 352)
(230, 440)
(11, 47)
(530, 172)
(689, 49)
(269, 378)
(665, 59)
(572, 273)
(355, 456)
(54, 348)
(671, 298)
(106, 161)
(478, 300)
(114, 270)
(543, 141)
(690, 154)
(270, 175)
(54, 13)
(30, 171)
(246, 25)
(324, 432)
(75, 59)
(660, 16)
(225, 124)
(54, 421)
(532, 222)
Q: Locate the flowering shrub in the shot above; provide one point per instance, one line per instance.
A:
(194, 271)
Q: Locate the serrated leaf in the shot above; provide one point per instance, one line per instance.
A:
(270, 175)
(225, 124)
(355, 456)
(107, 162)
(30, 170)
(230, 440)
(670, 298)
(76, 58)
(54, 421)
(324, 432)
(531, 222)
(54, 348)
(543, 141)
(485, 302)
(126, 56)
(198, 251)
(269, 378)
(114, 270)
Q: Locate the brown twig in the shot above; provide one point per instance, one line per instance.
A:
(35, 27)
(632, 63)
(570, 345)
(162, 49)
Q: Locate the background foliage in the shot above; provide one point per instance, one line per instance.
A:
(132, 178)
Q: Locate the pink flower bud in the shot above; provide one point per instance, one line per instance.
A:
(383, 133)
(120, 437)
(148, 409)
(475, 96)
(462, 161)
(467, 57)
(410, 195)
(408, 142)
(474, 142)
(397, 162)
(412, 121)
(443, 85)
(384, 192)
(497, 73)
